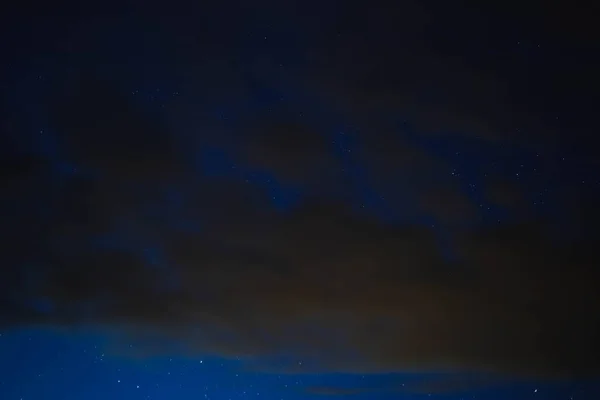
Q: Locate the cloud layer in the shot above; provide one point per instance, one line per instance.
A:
(131, 226)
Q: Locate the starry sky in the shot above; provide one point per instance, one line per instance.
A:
(299, 200)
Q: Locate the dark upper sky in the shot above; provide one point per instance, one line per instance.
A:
(308, 186)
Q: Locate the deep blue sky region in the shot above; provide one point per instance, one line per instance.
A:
(299, 200)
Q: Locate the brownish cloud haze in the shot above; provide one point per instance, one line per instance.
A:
(343, 293)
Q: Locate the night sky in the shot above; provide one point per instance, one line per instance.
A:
(288, 200)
